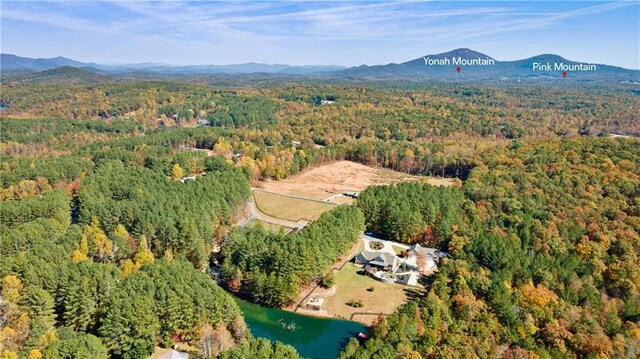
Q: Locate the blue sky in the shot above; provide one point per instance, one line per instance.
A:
(307, 32)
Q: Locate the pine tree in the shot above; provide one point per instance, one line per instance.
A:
(79, 306)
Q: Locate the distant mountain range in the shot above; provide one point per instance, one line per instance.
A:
(10, 62)
(456, 65)
(418, 69)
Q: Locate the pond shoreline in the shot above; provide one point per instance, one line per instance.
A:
(312, 336)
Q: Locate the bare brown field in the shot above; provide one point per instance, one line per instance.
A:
(342, 176)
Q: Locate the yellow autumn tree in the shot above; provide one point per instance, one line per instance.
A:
(538, 295)
(128, 267)
(168, 255)
(12, 288)
(120, 231)
(177, 172)
(222, 147)
(144, 255)
(9, 339)
(81, 253)
(102, 247)
(22, 327)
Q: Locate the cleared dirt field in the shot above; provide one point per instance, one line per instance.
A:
(323, 181)
(289, 208)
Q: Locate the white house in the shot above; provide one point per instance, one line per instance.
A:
(408, 278)
(423, 258)
(173, 354)
(384, 260)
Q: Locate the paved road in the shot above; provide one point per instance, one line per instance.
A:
(328, 199)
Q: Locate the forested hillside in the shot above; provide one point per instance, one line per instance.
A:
(544, 262)
(411, 212)
(175, 216)
(270, 268)
(420, 129)
(105, 245)
(102, 252)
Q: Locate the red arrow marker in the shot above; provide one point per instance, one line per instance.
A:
(564, 74)
(458, 69)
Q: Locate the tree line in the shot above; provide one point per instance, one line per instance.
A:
(412, 212)
(270, 268)
(544, 262)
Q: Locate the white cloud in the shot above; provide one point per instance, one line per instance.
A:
(303, 31)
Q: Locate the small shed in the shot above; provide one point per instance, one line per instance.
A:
(315, 303)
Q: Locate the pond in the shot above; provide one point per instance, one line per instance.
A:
(313, 337)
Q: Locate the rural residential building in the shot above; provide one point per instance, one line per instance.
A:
(425, 259)
(384, 260)
(173, 354)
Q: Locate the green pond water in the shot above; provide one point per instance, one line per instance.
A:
(313, 337)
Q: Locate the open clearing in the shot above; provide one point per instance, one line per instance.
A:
(305, 197)
(350, 285)
(342, 176)
(289, 208)
(271, 227)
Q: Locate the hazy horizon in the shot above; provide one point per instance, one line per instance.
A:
(317, 33)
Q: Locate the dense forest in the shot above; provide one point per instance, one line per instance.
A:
(269, 268)
(105, 250)
(102, 251)
(437, 130)
(411, 212)
(174, 216)
(543, 262)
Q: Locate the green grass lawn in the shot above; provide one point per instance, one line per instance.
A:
(384, 298)
(397, 249)
(266, 225)
(292, 209)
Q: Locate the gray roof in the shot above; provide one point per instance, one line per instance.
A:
(424, 251)
(174, 354)
(383, 259)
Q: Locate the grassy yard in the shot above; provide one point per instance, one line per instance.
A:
(397, 249)
(350, 285)
(289, 208)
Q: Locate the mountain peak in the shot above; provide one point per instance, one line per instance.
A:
(548, 58)
(464, 53)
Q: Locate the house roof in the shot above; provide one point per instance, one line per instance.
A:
(378, 258)
(424, 251)
(174, 354)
